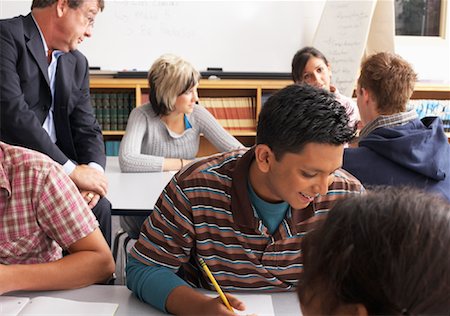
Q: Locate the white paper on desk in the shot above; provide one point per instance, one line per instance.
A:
(11, 306)
(57, 306)
(255, 304)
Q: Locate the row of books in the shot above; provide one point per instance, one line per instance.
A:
(233, 113)
(112, 109)
(440, 108)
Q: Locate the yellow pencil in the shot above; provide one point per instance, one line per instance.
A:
(216, 285)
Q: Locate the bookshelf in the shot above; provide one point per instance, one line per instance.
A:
(249, 93)
(255, 91)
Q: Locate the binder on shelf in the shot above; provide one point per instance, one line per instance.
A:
(122, 110)
(113, 111)
(427, 107)
(106, 112)
(112, 148)
(233, 113)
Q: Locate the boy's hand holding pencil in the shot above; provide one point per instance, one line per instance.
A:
(227, 300)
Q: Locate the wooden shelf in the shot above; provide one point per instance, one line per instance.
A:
(207, 88)
(113, 133)
(225, 88)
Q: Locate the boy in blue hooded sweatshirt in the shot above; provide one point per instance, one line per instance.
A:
(396, 147)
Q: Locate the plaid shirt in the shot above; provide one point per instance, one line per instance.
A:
(41, 210)
(397, 119)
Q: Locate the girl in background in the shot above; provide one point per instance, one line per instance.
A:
(164, 134)
(311, 67)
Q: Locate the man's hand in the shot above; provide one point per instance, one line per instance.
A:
(89, 179)
(91, 198)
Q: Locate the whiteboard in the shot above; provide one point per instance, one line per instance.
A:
(341, 36)
(242, 36)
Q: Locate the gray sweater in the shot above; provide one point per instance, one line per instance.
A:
(147, 140)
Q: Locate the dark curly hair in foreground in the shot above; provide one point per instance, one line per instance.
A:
(387, 250)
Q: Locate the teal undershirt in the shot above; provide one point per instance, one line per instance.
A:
(271, 214)
(187, 124)
(154, 284)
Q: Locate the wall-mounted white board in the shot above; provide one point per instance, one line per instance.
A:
(242, 36)
(341, 36)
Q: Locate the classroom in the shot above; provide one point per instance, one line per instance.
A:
(224, 157)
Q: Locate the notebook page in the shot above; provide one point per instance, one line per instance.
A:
(11, 306)
(57, 306)
(255, 304)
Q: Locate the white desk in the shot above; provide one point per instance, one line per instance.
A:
(283, 303)
(133, 193)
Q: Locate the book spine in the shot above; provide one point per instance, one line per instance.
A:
(113, 112)
(121, 112)
(106, 112)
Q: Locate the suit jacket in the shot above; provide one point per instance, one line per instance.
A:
(25, 97)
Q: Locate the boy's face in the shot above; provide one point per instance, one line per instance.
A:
(298, 178)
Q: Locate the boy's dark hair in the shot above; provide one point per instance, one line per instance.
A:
(301, 114)
(387, 250)
(72, 3)
(301, 59)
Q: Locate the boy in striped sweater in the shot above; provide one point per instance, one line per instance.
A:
(246, 212)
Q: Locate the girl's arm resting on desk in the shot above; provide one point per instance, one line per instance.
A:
(174, 164)
(89, 261)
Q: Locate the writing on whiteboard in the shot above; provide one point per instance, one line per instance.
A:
(341, 36)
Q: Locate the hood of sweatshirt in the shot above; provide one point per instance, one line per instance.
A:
(420, 145)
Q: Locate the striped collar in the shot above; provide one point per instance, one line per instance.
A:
(396, 119)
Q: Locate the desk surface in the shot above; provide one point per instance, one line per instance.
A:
(283, 303)
(133, 193)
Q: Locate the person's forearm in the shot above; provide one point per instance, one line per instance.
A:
(151, 284)
(172, 164)
(185, 300)
(73, 271)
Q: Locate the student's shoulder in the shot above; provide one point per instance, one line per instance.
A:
(27, 159)
(145, 110)
(218, 167)
(343, 99)
(199, 112)
(343, 180)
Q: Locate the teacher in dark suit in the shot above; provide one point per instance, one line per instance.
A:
(44, 94)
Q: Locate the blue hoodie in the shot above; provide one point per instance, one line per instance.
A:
(415, 154)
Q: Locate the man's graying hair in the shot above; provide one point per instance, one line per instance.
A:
(72, 3)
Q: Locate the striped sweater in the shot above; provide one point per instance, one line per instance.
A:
(205, 212)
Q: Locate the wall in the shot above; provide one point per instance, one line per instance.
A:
(234, 35)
